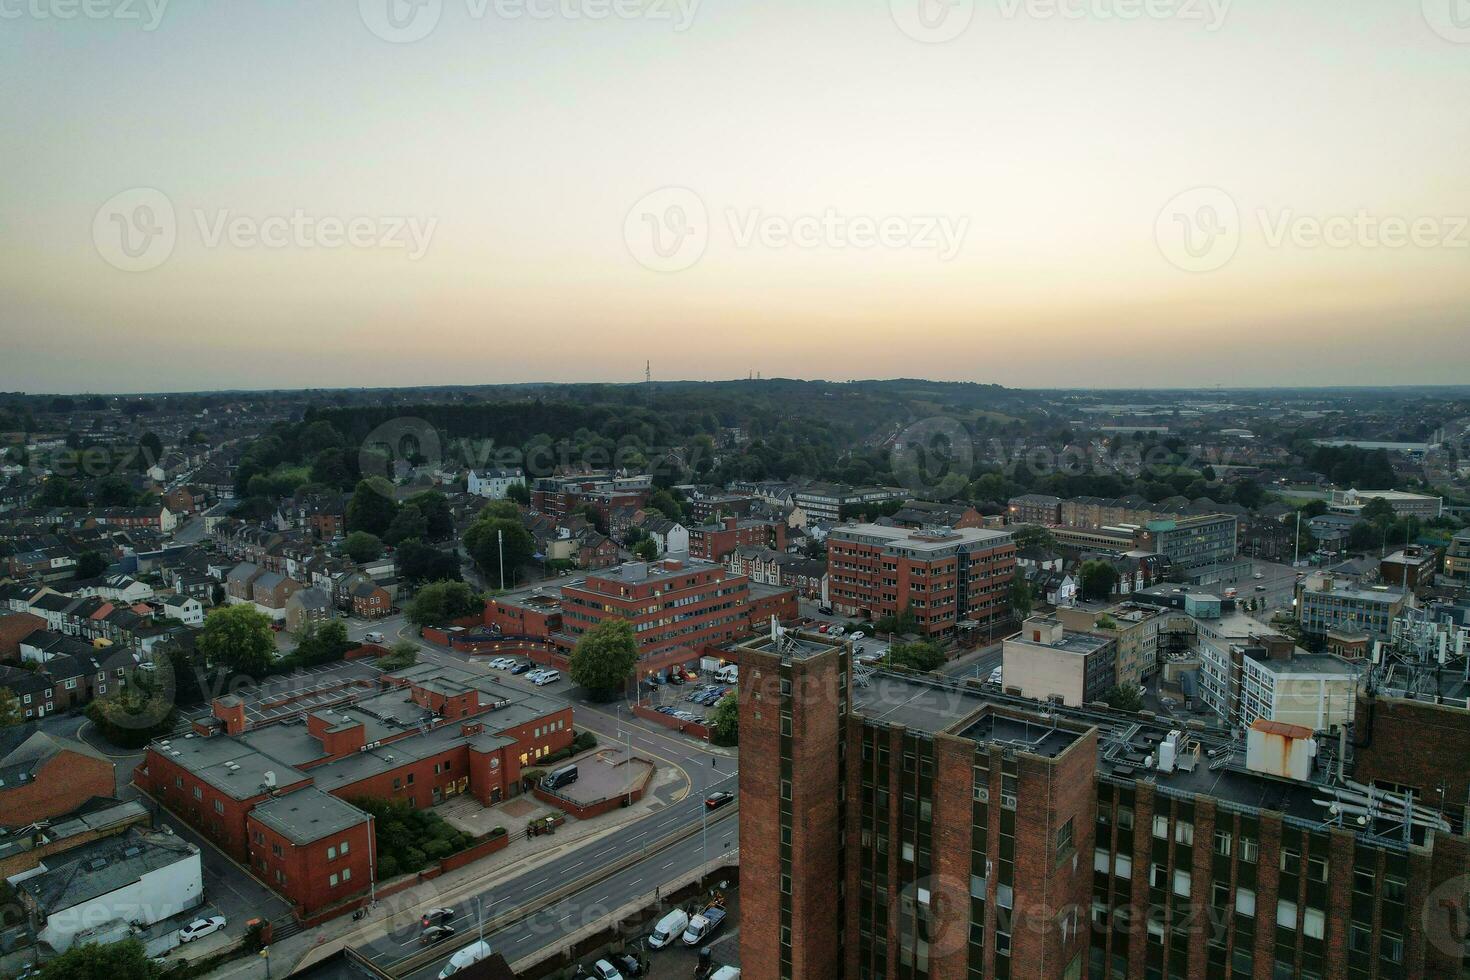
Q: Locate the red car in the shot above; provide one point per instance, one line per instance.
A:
(824, 627)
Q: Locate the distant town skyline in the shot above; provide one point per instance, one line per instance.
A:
(1024, 193)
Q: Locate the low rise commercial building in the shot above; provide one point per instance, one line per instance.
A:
(1045, 662)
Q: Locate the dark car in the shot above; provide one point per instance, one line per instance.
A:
(825, 610)
(716, 800)
(520, 668)
(627, 965)
(435, 934)
(436, 916)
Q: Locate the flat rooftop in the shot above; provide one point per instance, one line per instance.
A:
(1126, 742)
(307, 815)
(791, 644)
(911, 541)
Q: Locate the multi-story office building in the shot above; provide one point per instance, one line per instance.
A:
(1457, 559)
(1324, 604)
(946, 577)
(1412, 568)
(1134, 630)
(1046, 662)
(899, 827)
(1035, 508)
(828, 503)
(1404, 504)
(1193, 543)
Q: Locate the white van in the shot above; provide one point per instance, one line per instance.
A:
(668, 927)
(728, 674)
(473, 953)
(726, 973)
(547, 677)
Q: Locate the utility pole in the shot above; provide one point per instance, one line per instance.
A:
(1296, 554)
(500, 542)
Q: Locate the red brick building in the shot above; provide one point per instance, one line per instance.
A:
(713, 542)
(43, 776)
(945, 577)
(432, 734)
(894, 826)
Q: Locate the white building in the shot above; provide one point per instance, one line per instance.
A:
(93, 893)
(186, 609)
(495, 484)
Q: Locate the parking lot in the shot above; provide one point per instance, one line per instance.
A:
(520, 672)
(690, 701)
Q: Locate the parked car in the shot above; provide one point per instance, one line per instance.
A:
(435, 934)
(718, 799)
(547, 677)
(200, 928)
(603, 970)
(434, 917)
(995, 675)
(503, 663)
(825, 610)
(520, 668)
(859, 635)
(534, 675)
(628, 965)
(837, 630)
(824, 627)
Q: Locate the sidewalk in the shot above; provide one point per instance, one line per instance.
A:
(402, 910)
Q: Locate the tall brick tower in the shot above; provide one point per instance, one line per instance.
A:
(794, 691)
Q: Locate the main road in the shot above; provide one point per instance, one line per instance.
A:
(709, 834)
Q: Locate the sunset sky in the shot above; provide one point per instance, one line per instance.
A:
(808, 158)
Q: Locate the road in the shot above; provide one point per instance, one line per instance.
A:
(591, 905)
(702, 772)
(1276, 588)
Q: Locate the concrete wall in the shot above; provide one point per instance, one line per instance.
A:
(154, 897)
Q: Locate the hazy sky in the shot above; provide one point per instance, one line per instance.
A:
(1063, 192)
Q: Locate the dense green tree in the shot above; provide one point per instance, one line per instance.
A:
(1124, 698)
(321, 643)
(519, 493)
(647, 549)
(361, 546)
(487, 540)
(90, 564)
(419, 562)
(1022, 599)
(330, 468)
(724, 721)
(150, 450)
(922, 655)
(318, 437)
(238, 641)
(439, 603)
(124, 960)
(58, 491)
(604, 657)
(1097, 579)
(371, 508)
(409, 522)
(438, 518)
(114, 491)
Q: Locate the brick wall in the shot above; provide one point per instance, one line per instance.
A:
(63, 783)
(1413, 743)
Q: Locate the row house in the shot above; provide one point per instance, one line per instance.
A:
(808, 576)
(715, 541)
(158, 518)
(67, 673)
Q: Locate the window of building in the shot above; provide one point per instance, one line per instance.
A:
(1313, 923)
(1184, 833)
(219, 806)
(1064, 840)
(1223, 840)
(343, 849)
(1286, 914)
(346, 874)
(1181, 882)
(1245, 901)
(1123, 866)
(332, 880)
(331, 853)
(1394, 888)
(1391, 946)
(1360, 939)
(1161, 827)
